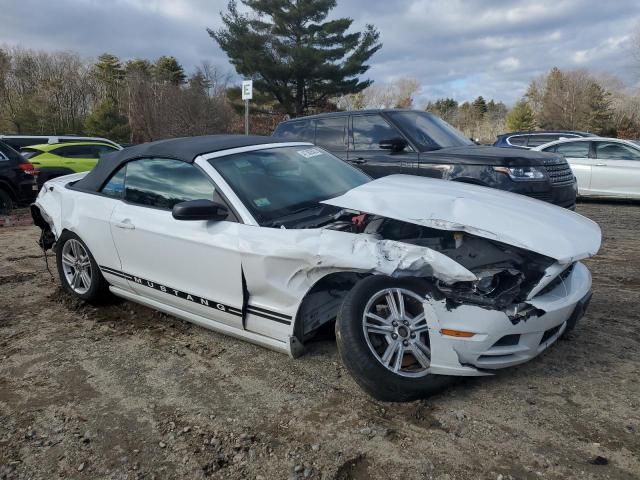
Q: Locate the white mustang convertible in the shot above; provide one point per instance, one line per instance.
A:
(266, 241)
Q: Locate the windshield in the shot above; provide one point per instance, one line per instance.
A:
(279, 182)
(428, 131)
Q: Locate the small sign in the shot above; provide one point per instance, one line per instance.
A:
(310, 152)
(247, 90)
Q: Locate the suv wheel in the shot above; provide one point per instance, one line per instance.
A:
(383, 339)
(6, 202)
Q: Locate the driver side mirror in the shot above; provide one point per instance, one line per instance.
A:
(199, 210)
(394, 144)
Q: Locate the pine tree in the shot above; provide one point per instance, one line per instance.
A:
(168, 70)
(293, 53)
(554, 101)
(109, 73)
(480, 106)
(599, 117)
(138, 66)
(445, 108)
(521, 118)
(107, 121)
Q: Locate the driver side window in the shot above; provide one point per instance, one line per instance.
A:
(615, 151)
(370, 130)
(160, 183)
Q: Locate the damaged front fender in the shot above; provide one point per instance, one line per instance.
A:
(281, 266)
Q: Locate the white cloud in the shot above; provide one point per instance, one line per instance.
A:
(459, 48)
(509, 64)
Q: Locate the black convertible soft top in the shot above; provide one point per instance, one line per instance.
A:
(185, 149)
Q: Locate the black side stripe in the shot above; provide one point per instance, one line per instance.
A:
(175, 292)
(268, 316)
(269, 312)
(111, 271)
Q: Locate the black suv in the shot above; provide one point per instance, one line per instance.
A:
(384, 142)
(17, 179)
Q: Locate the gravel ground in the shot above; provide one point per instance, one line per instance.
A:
(125, 392)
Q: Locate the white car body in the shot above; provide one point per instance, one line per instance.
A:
(251, 282)
(604, 167)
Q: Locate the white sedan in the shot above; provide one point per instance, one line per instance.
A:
(604, 167)
(269, 241)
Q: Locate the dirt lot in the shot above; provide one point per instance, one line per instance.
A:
(126, 392)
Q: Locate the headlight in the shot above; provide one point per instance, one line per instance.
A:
(519, 174)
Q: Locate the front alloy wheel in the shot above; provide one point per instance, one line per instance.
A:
(383, 339)
(396, 331)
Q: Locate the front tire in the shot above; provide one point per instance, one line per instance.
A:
(383, 339)
(79, 273)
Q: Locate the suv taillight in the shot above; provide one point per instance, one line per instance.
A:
(28, 168)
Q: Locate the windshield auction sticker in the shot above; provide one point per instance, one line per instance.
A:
(310, 152)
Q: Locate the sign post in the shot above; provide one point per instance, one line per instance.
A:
(247, 94)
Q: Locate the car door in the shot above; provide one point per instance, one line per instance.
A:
(331, 134)
(578, 154)
(366, 133)
(616, 171)
(79, 158)
(190, 265)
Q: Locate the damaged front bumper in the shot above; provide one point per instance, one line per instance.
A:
(498, 343)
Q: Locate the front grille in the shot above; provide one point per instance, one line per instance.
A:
(544, 196)
(558, 170)
(550, 333)
(508, 341)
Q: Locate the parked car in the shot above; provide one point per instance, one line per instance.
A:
(269, 241)
(529, 140)
(604, 167)
(20, 141)
(384, 142)
(55, 160)
(17, 179)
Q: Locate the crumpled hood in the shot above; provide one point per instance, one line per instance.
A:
(485, 212)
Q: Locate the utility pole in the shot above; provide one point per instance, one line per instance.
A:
(247, 94)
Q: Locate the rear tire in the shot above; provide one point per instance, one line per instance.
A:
(387, 351)
(78, 271)
(6, 202)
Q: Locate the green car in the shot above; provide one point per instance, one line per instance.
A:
(57, 159)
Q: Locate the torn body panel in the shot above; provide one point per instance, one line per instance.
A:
(498, 342)
(483, 212)
(281, 266)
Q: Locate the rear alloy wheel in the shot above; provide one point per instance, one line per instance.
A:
(383, 339)
(78, 271)
(76, 266)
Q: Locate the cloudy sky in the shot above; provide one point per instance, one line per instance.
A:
(458, 48)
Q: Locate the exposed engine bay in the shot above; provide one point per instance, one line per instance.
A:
(506, 274)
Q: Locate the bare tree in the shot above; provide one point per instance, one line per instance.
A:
(397, 94)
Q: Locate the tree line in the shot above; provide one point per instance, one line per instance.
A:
(141, 100)
(131, 102)
(301, 63)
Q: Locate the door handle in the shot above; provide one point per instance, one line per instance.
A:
(601, 164)
(125, 225)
